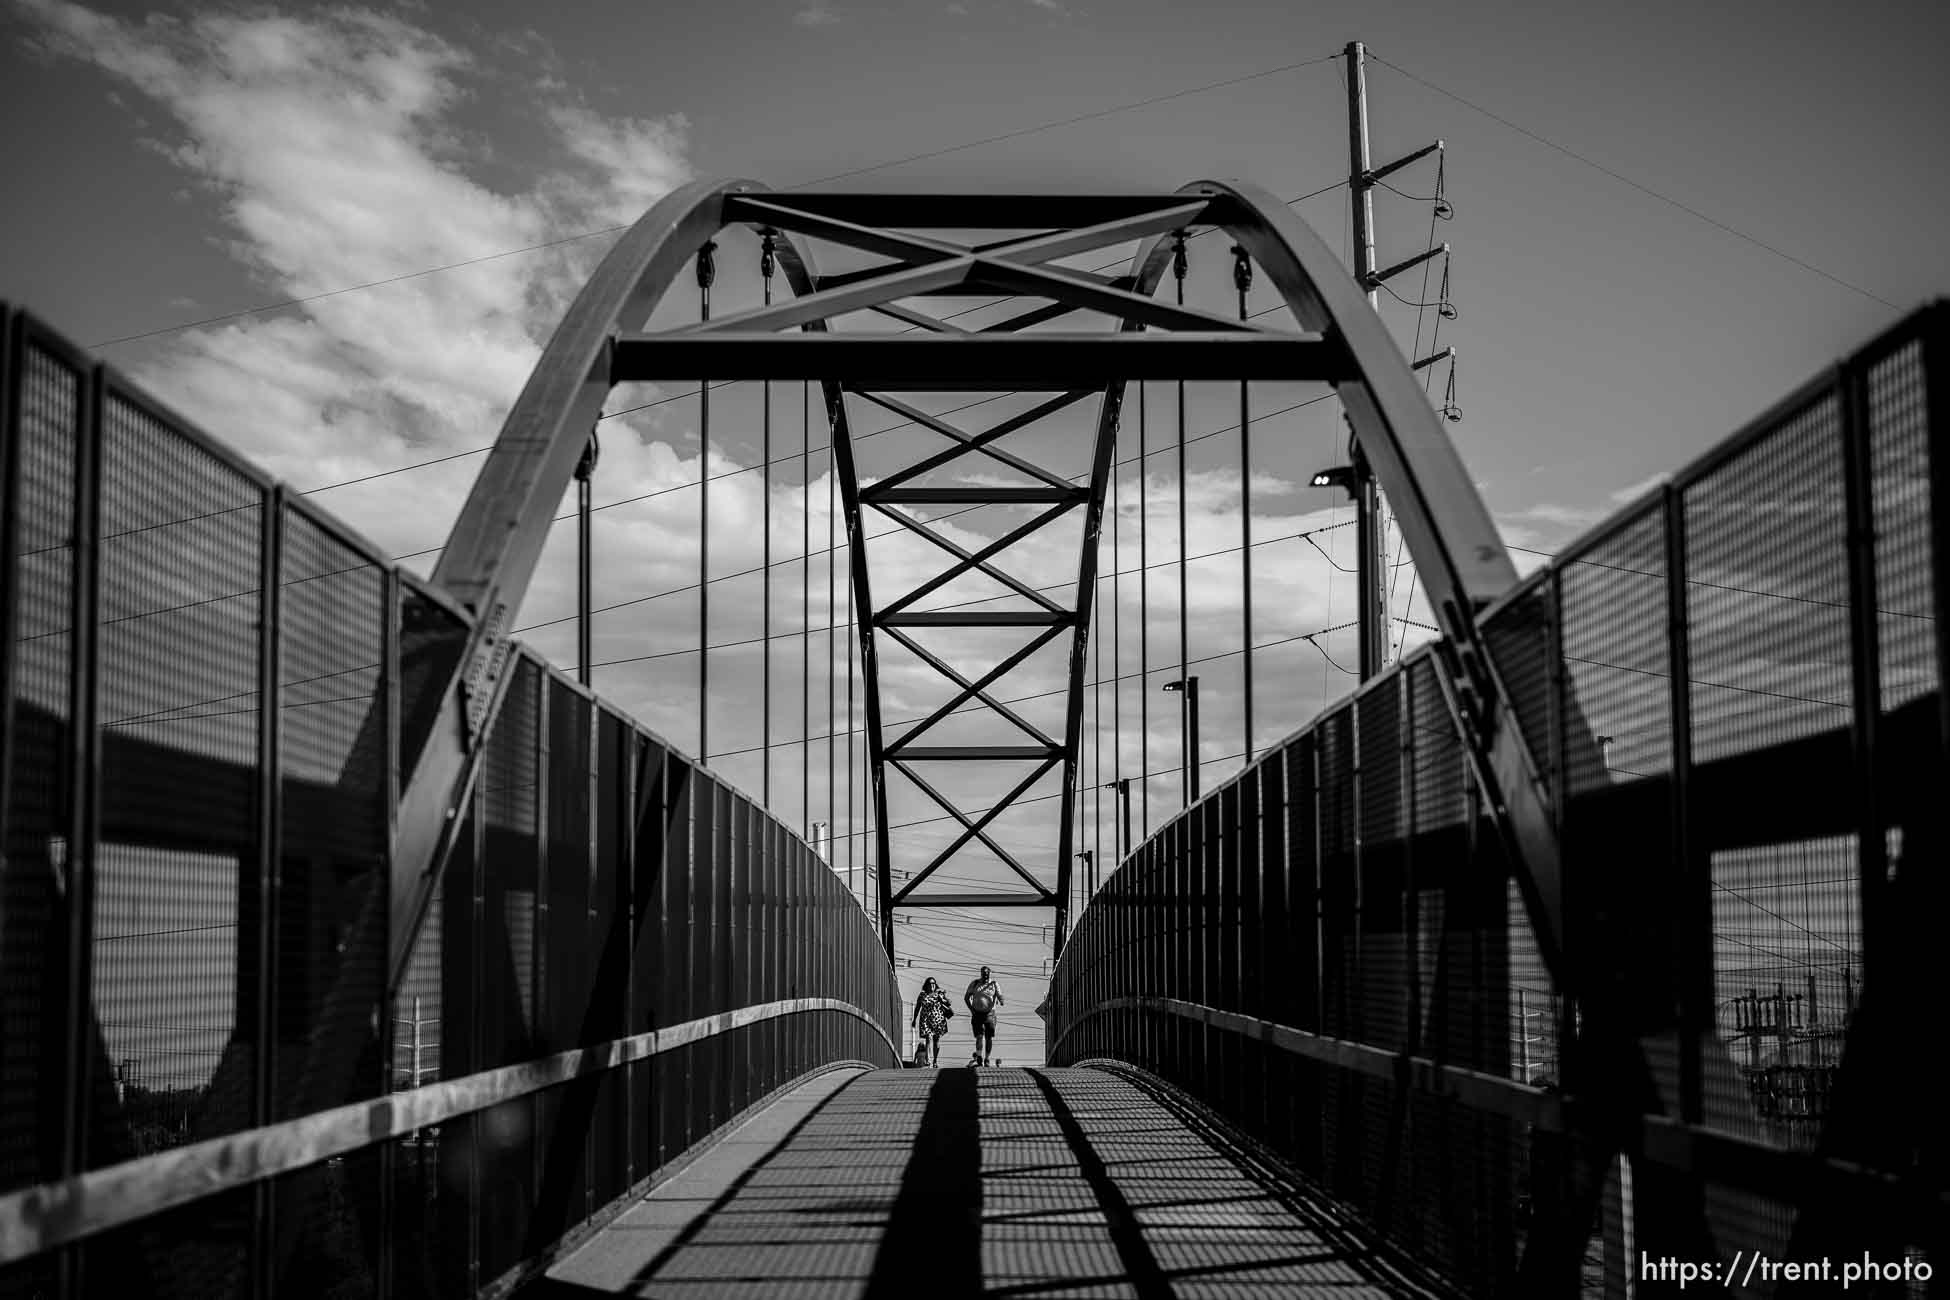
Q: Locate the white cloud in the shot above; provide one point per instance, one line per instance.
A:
(635, 162)
(816, 15)
(1562, 523)
(333, 145)
(1633, 491)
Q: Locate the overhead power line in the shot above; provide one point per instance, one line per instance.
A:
(1642, 188)
(1081, 117)
(612, 230)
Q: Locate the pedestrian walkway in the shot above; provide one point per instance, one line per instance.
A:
(1003, 1182)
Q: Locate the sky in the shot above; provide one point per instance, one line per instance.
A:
(1665, 217)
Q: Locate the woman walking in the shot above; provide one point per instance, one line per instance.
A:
(931, 1012)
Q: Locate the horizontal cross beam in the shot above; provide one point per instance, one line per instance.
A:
(971, 211)
(972, 496)
(978, 900)
(1050, 362)
(975, 618)
(978, 753)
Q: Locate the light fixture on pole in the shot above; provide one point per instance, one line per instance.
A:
(1189, 687)
(1358, 483)
(1123, 787)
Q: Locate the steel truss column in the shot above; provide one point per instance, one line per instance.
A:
(1059, 494)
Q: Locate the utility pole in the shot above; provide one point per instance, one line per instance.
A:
(1367, 498)
(1370, 568)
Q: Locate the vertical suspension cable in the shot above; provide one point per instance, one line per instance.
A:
(850, 638)
(766, 261)
(1144, 630)
(1097, 709)
(805, 606)
(1186, 740)
(585, 563)
(1116, 650)
(1242, 279)
(707, 271)
(832, 475)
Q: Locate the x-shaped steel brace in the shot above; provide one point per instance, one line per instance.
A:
(973, 690)
(977, 561)
(975, 829)
(978, 442)
(926, 265)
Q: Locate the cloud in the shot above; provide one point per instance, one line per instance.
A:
(816, 15)
(1633, 491)
(1562, 522)
(334, 146)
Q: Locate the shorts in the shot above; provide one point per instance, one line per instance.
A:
(983, 1023)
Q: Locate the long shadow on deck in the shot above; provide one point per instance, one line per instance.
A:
(959, 1182)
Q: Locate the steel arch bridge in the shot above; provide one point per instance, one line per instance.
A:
(374, 794)
(1329, 334)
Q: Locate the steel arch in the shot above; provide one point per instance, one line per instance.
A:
(1458, 554)
(496, 542)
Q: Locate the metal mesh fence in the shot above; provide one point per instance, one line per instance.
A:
(176, 897)
(1899, 449)
(1731, 694)
(47, 395)
(214, 695)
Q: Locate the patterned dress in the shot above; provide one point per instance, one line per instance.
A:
(933, 1010)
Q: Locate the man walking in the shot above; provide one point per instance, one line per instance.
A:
(984, 997)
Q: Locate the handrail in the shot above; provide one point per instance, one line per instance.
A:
(44, 1217)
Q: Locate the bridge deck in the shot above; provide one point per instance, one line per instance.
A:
(1011, 1182)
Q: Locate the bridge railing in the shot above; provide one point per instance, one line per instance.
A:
(1331, 951)
(210, 1083)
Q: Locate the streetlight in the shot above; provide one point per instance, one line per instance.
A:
(1358, 481)
(1123, 787)
(1189, 686)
